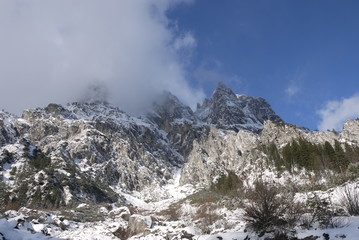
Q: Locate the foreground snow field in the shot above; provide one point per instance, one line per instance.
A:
(22, 224)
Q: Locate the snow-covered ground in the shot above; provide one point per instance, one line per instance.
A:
(230, 226)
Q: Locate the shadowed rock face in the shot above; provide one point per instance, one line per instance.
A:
(222, 108)
(259, 108)
(230, 111)
(178, 121)
(168, 109)
(8, 132)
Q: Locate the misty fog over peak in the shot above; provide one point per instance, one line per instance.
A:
(95, 92)
(124, 52)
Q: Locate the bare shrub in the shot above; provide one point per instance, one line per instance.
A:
(350, 200)
(264, 209)
(206, 217)
(322, 211)
(172, 213)
(270, 210)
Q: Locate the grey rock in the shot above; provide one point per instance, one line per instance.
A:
(8, 131)
(138, 224)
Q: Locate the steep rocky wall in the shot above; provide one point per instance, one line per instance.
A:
(221, 151)
(351, 131)
(216, 154)
(283, 133)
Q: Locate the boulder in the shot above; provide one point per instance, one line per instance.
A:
(138, 224)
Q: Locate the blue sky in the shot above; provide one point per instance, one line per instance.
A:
(302, 56)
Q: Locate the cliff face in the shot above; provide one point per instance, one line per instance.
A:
(249, 156)
(216, 154)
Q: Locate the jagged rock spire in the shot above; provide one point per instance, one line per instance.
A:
(228, 110)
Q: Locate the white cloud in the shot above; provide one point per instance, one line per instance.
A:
(51, 51)
(335, 113)
(186, 41)
(294, 86)
(292, 90)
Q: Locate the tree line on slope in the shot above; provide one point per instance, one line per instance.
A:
(302, 154)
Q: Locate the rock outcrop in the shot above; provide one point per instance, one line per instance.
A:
(217, 153)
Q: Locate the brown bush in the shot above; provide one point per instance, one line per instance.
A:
(171, 213)
(206, 217)
(269, 209)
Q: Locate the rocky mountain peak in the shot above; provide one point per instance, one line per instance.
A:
(177, 120)
(258, 107)
(222, 91)
(168, 108)
(7, 131)
(230, 111)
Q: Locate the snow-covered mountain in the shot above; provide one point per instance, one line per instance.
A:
(93, 154)
(230, 111)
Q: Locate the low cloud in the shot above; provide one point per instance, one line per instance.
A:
(334, 114)
(54, 51)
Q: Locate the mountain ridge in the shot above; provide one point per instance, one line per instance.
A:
(62, 156)
(97, 140)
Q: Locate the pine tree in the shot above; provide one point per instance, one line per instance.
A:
(288, 157)
(341, 160)
(22, 194)
(275, 156)
(304, 159)
(3, 194)
(329, 154)
(37, 197)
